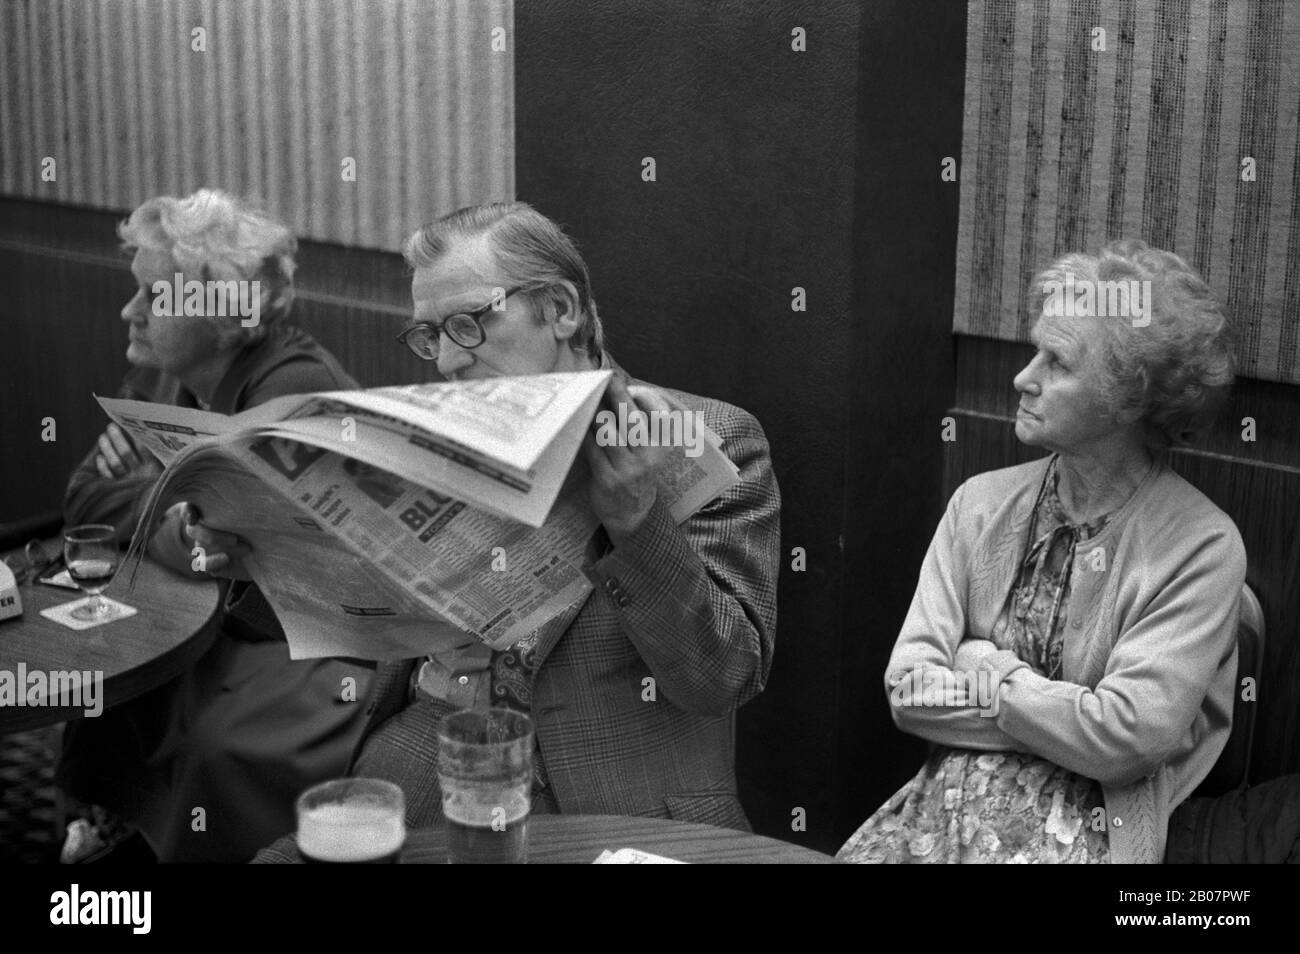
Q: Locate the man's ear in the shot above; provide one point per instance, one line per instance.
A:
(566, 318)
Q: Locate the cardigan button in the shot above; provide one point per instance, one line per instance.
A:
(1078, 622)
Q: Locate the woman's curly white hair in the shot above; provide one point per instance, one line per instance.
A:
(1172, 375)
(214, 236)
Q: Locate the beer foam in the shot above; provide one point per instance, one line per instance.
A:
(343, 831)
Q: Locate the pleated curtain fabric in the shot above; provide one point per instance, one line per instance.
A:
(272, 100)
(1172, 121)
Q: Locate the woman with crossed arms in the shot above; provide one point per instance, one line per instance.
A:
(1090, 595)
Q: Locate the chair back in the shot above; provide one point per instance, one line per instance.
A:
(1232, 770)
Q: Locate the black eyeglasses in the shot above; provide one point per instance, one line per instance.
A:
(465, 328)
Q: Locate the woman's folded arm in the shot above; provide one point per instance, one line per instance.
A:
(924, 683)
(1155, 682)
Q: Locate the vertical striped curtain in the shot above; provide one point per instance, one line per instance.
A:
(412, 91)
(1065, 147)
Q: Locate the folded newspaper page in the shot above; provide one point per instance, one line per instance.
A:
(409, 520)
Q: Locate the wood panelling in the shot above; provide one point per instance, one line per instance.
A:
(985, 368)
(1257, 484)
(63, 342)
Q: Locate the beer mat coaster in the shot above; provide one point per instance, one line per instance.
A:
(63, 614)
(633, 856)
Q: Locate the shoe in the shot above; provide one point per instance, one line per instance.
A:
(103, 837)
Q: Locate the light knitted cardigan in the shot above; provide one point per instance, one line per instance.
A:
(1144, 705)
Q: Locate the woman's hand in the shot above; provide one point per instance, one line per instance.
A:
(214, 551)
(118, 456)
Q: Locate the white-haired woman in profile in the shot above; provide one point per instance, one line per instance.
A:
(1071, 646)
(244, 731)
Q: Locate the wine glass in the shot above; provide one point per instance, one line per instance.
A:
(91, 554)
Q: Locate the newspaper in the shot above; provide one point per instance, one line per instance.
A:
(409, 520)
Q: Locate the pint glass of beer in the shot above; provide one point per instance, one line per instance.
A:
(485, 766)
(352, 821)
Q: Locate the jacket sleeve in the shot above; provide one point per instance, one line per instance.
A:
(1156, 679)
(925, 653)
(699, 600)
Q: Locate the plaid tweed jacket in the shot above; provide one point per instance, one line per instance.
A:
(691, 606)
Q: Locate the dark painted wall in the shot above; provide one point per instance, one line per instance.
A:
(901, 377)
(777, 169)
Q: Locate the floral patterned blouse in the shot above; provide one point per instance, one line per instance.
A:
(966, 806)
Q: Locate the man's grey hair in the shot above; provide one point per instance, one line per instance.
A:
(531, 251)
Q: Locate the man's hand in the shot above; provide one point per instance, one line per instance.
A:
(212, 551)
(118, 456)
(625, 480)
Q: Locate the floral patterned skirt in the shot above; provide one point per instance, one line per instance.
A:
(968, 807)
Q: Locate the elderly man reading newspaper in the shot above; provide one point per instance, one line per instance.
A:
(634, 689)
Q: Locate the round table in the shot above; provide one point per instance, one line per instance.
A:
(578, 839)
(172, 628)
